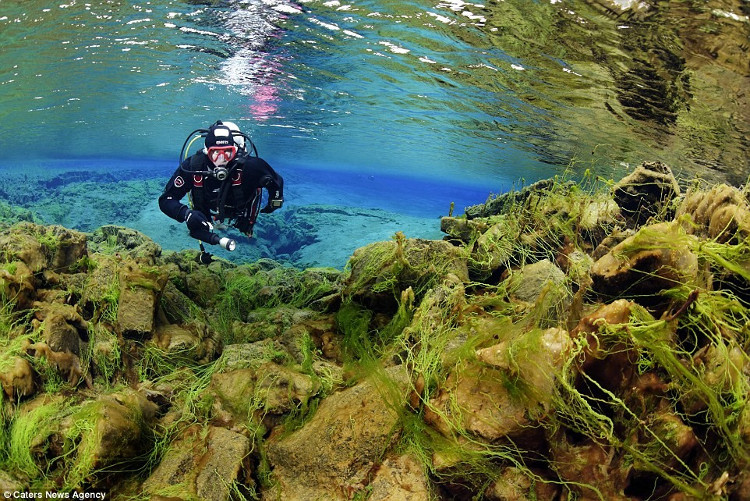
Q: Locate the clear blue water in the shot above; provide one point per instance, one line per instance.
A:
(399, 106)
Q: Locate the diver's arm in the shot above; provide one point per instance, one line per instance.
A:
(175, 190)
(274, 183)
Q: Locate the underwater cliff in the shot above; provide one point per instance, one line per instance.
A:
(562, 341)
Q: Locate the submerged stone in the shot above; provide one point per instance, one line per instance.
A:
(382, 269)
(720, 213)
(658, 257)
(203, 463)
(400, 478)
(331, 456)
(646, 192)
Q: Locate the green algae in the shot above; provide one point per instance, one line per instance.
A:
(691, 337)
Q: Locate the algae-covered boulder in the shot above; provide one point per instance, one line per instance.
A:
(463, 229)
(646, 192)
(380, 271)
(515, 484)
(62, 325)
(534, 357)
(251, 355)
(542, 284)
(269, 389)
(16, 377)
(658, 257)
(20, 245)
(140, 290)
(113, 428)
(481, 400)
(607, 360)
(17, 281)
(61, 439)
(202, 463)
(331, 456)
(194, 339)
(587, 468)
(42, 247)
(126, 242)
(400, 478)
(493, 250)
(515, 198)
(719, 213)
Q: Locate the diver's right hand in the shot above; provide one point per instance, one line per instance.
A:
(196, 221)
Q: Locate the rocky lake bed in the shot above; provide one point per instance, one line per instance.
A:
(567, 340)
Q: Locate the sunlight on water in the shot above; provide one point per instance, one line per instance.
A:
(486, 94)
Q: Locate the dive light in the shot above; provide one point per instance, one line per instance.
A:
(227, 243)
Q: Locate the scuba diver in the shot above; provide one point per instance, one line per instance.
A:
(225, 181)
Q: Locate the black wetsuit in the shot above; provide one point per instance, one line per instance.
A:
(236, 199)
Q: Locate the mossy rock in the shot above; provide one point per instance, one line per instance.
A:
(126, 242)
(333, 453)
(18, 282)
(646, 192)
(43, 247)
(380, 271)
(656, 258)
(205, 464)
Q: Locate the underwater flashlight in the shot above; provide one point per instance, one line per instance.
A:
(227, 243)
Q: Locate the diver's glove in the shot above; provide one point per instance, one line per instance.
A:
(196, 221)
(245, 226)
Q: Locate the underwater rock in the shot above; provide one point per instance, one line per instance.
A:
(493, 250)
(536, 356)
(17, 245)
(542, 284)
(463, 229)
(674, 442)
(126, 242)
(68, 249)
(607, 361)
(515, 484)
(58, 438)
(140, 290)
(42, 247)
(400, 478)
(646, 192)
(186, 339)
(333, 455)
(269, 389)
(588, 468)
(382, 269)
(67, 364)
(310, 330)
(17, 378)
(9, 484)
(720, 213)
(251, 355)
(658, 257)
(477, 399)
(204, 463)
(62, 325)
(500, 203)
(113, 428)
(17, 282)
(610, 241)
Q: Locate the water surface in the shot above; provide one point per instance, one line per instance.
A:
(401, 106)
